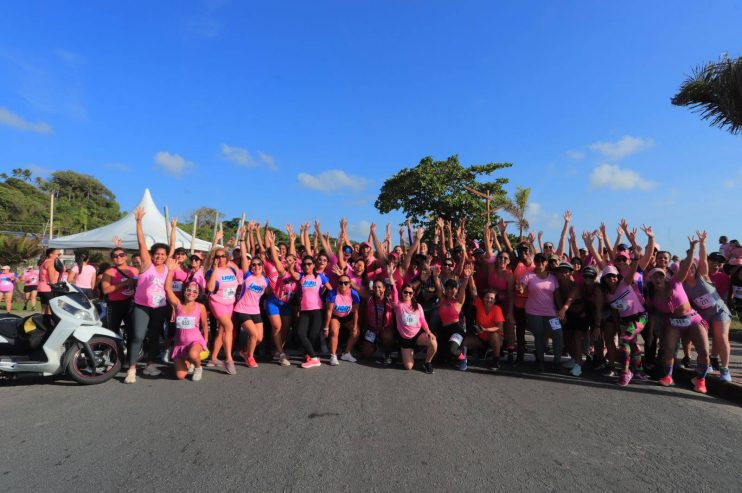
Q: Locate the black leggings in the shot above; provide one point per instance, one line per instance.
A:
(310, 323)
(146, 322)
(118, 311)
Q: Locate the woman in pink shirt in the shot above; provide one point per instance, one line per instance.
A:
(222, 284)
(48, 275)
(30, 280)
(342, 314)
(119, 283)
(283, 288)
(412, 328)
(150, 304)
(82, 275)
(541, 309)
(311, 284)
(7, 284)
(379, 323)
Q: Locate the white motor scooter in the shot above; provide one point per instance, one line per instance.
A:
(71, 341)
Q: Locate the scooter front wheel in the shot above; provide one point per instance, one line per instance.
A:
(108, 361)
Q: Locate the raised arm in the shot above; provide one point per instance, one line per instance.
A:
(436, 271)
(606, 241)
(173, 230)
(466, 282)
(380, 253)
(172, 266)
(244, 263)
(487, 238)
(292, 239)
(587, 237)
(143, 251)
(270, 245)
(703, 261)
(649, 250)
(573, 242)
(688, 260)
(563, 237)
(503, 226)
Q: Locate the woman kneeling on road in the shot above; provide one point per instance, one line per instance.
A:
(191, 326)
(412, 328)
(489, 324)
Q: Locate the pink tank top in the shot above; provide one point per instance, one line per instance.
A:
(448, 312)
(179, 277)
(151, 288)
(44, 277)
(625, 301)
(677, 298)
(117, 278)
(188, 325)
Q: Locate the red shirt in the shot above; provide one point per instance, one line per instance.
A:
(485, 319)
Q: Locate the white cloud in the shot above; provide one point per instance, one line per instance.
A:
(238, 155)
(734, 180)
(626, 146)
(359, 230)
(539, 218)
(10, 119)
(173, 164)
(616, 178)
(575, 155)
(268, 160)
(333, 180)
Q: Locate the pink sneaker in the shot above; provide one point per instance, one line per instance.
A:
(311, 363)
(251, 363)
(625, 378)
(666, 381)
(699, 384)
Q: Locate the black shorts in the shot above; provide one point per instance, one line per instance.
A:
(576, 321)
(408, 343)
(346, 323)
(45, 297)
(30, 289)
(241, 318)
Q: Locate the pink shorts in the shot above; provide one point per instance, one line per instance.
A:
(220, 311)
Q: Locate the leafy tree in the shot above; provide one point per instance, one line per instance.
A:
(438, 189)
(517, 206)
(15, 250)
(715, 91)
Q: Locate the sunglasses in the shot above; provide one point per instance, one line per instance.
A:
(307, 264)
(256, 264)
(548, 246)
(344, 283)
(448, 264)
(220, 256)
(191, 291)
(589, 277)
(322, 260)
(118, 255)
(195, 259)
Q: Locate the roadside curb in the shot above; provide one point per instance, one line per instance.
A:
(723, 390)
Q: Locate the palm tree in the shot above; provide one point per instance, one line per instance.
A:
(715, 91)
(517, 208)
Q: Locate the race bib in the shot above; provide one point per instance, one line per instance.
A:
(555, 324)
(128, 292)
(705, 301)
(184, 322)
(370, 336)
(177, 285)
(158, 300)
(228, 293)
(680, 322)
(409, 319)
(5, 282)
(457, 338)
(620, 305)
(737, 291)
(342, 309)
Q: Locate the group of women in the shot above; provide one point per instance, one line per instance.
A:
(451, 298)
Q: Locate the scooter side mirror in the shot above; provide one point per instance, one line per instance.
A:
(58, 265)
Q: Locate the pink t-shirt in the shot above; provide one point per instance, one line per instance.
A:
(151, 288)
(226, 286)
(283, 286)
(409, 320)
(252, 290)
(7, 281)
(521, 270)
(310, 291)
(117, 278)
(625, 300)
(343, 303)
(86, 278)
(30, 278)
(179, 277)
(540, 294)
(197, 276)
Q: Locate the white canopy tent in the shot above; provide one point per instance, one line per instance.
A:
(154, 225)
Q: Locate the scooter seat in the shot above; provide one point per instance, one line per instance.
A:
(9, 326)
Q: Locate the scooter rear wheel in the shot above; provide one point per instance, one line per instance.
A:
(82, 370)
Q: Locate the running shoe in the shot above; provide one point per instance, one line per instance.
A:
(715, 364)
(283, 360)
(666, 381)
(131, 376)
(197, 373)
(463, 365)
(191, 369)
(334, 360)
(388, 359)
(576, 371)
(699, 385)
(251, 363)
(625, 378)
(214, 363)
(229, 366)
(494, 364)
(151, 370)
(348, 357)
(428, 368)
(641, 376)
(724, 375)
(311, 362)
(166, 356)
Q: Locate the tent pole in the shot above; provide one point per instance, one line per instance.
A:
(51, 216)
(167, 225)
(193, 236)
(216, 225)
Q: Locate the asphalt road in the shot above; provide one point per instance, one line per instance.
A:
(366, 428)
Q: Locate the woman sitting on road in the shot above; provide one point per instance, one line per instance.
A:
(342, 314)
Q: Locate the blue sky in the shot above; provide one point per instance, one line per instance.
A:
(249, 106)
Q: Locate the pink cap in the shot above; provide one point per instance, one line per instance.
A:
(655, 271)
(609, 269)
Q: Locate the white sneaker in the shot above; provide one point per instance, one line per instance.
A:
(283, 360)
(151, 370)
(348, 357)
(166, 356)
(191, 368)
(197, 373)
(334, 360)
(131, 376)
(576, 371)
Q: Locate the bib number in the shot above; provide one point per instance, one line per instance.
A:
(5, 282)
(228, 293)
(620, 305)
(409, 319)
(158, 300)
(555, 323)
(177, 285)
(457, 338)
(185, 322)
(737, 291)
(680, 322)
(370, 336)
(705, 301)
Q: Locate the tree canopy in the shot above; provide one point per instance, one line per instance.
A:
(715, 91)
(82, 202)
(435, 189)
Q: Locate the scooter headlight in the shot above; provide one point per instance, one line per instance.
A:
(78, 313)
